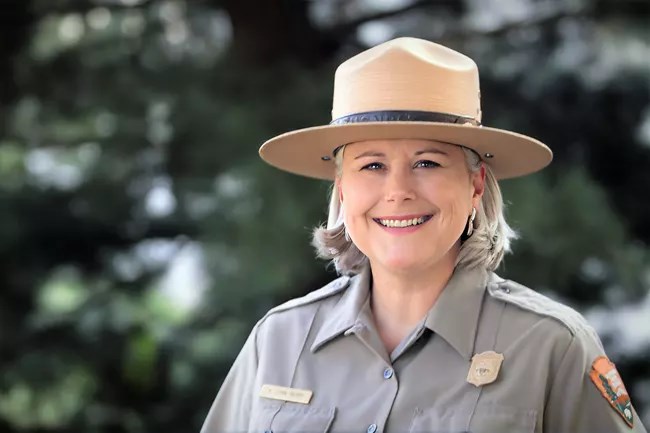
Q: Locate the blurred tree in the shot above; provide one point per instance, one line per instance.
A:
(141, 236)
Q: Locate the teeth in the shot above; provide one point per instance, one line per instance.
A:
(402, 223)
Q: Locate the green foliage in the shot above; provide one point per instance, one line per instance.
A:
(578, 243)
(45, 398)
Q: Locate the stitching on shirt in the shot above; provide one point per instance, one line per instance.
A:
(308, 334)
(501, 306)
(560, 365)
(295, 364)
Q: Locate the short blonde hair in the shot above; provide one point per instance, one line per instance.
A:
(485, 248)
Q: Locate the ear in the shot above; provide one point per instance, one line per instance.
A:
(478, 185)
(339, 190)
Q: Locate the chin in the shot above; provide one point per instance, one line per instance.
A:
(405, 261)
(403, 264)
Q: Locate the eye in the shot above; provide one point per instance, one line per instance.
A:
(373, 166)
(426, 164)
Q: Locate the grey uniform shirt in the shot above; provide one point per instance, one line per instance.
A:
(326, 342)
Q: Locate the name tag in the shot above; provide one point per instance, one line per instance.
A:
(292, 395)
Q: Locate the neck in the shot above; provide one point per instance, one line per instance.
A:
(401, 299)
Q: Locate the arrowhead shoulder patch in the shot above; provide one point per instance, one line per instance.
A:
(606, 378)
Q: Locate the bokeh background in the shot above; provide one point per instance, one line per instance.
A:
(141, 236)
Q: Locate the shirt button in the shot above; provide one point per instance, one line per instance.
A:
(372, 428)
(388, 373)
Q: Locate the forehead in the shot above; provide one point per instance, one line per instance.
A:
(398, 146)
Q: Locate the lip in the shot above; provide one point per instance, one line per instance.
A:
(403, 230)
(402, 217)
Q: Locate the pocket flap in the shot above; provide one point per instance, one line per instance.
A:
(294, 417)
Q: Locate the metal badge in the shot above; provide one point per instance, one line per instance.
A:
(484, 368)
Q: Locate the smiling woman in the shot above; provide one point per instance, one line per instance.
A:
(397, 185)
(419, 333)
(490, 233)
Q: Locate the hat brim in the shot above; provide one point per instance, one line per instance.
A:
(302, 151)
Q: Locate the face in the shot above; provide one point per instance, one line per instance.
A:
(407, 202)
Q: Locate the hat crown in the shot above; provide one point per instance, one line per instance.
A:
(406, 88)
(407, 74)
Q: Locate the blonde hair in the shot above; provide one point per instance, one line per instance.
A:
(485, 248)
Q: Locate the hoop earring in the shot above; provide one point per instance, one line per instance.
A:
(470, 223)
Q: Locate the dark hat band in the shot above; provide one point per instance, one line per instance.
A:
(404, 116)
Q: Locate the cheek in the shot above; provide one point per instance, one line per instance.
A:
(450, 202)
(356, 212)
(358, 197)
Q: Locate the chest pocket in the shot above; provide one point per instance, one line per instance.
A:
(278, 417)
(498, 418)
(488, 418)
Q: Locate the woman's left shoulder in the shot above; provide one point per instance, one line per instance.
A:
(531, 302)
(587, 393)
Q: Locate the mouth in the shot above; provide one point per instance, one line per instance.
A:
(401, 222)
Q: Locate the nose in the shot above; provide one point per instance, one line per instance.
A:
(399, 186)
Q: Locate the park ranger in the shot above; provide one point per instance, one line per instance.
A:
(418, 334)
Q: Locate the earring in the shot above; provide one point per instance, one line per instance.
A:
(470, 223)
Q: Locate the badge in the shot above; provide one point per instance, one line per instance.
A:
(485, 368)
(606, 378)
(292, 395)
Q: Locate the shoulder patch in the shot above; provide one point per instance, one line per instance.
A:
(523, 297)
(606, 378)
(326, 291)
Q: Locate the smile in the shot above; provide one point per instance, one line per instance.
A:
(402, 223)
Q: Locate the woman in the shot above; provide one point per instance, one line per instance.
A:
(418, 334)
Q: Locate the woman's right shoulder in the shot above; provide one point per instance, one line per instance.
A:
(308, 304)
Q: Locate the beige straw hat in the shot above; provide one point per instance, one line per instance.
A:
(406, 88)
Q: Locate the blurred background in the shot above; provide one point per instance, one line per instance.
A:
(141, 237)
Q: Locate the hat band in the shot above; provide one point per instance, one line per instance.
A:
(404, 116)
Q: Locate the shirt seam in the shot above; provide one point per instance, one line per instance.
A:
(561, 364)
(504, 305)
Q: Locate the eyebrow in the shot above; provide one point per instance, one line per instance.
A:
(418, 153)
(438, 151)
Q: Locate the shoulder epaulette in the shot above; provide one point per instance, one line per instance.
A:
(332, 288)
(523, 297)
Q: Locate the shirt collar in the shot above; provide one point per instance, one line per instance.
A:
(454, 316)
(346, 314)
